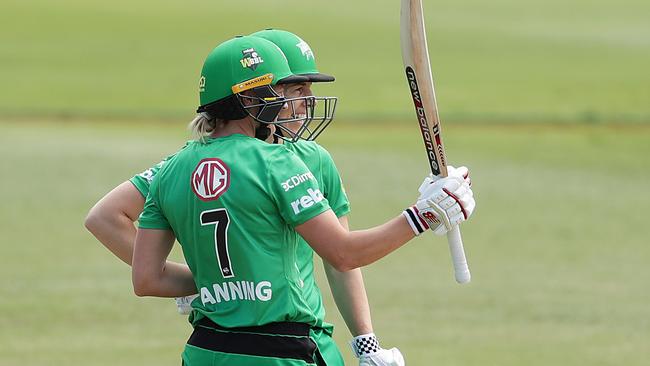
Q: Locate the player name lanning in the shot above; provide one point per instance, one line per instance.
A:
(237, 290)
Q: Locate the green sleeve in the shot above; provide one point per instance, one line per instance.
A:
(143, 180)
(151, 216)
(303, 199)
(333, 185)
(141, 183)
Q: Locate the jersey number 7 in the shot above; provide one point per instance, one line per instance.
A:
(219, 218)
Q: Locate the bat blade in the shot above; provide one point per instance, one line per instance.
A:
(415, 55)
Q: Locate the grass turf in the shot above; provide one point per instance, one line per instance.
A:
(557, 246)
(504, 60)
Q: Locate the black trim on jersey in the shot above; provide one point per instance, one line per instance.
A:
(282, 340)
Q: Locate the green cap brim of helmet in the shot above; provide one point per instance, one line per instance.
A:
(293, 79)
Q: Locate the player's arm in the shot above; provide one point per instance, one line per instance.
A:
(349, 295)
(152, 274)
(346, 250)
(111, 220)
(443, 204)
(347, 287)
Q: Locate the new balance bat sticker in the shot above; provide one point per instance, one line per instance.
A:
(415, 55)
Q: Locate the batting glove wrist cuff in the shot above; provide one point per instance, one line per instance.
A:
(417, 223)
(365, 344)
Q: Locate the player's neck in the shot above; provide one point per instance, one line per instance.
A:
(241, 126)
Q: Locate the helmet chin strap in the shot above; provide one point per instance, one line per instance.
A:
(262, 132)
(276, 136)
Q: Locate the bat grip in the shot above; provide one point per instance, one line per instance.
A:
(461, 270)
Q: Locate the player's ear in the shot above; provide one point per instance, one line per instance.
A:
(246, 101)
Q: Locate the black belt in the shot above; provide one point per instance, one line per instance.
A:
(281, 340)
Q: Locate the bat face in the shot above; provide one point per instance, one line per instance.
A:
(415, 55)
(425, 127)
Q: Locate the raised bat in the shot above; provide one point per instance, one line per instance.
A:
(415, 55)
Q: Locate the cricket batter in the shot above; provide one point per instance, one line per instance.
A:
(220, 295)
(112, 218)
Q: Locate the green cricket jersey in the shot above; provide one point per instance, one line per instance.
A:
(321, 164)
(232, 204)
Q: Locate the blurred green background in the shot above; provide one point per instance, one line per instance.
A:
(547, 102)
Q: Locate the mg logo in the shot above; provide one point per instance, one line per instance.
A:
(210, 179)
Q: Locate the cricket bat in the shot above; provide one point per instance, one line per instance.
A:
(415, 55)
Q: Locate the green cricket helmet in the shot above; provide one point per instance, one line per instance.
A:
(300, 56)
(239, 65)
(302, 62)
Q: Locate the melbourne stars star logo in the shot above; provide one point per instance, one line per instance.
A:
(305, 50)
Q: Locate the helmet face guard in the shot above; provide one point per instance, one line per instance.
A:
(265, 105)
(319, 112)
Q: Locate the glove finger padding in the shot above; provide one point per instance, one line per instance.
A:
(466, 198)
(462, 172)
(434, 190)
(428, 180)
(442, 205)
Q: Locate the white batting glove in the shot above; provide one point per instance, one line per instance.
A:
(462, 172)
(184, 304)
(443, 202)
(366, 348)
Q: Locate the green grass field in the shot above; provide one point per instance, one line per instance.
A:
(547, 102)
(503, 60)
(559, 259)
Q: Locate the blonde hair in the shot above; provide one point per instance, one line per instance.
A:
(202, 126)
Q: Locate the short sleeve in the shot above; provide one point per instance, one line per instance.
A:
(141, 184)
(151, 216)
(333, 185)
(143, 180)
(294, 188)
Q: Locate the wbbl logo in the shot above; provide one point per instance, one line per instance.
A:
(251, 59)
(210, 179)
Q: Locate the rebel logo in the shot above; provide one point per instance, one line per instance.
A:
(210, 179)
(251, 59)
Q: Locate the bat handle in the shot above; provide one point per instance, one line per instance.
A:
(461, 270)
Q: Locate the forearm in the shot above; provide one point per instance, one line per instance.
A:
(152, 274)
(111, 220)
(350, 297)
(116, 233)
(363, 247)
(175, 280)
(346, 250)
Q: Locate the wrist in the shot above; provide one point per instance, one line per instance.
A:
(365, 344)
(417, 223)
